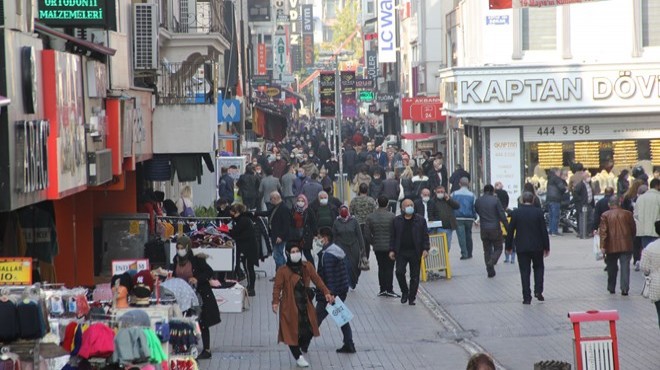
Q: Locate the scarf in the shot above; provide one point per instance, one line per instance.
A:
(298, 208)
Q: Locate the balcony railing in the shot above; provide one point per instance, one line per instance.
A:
(198, 17)
(187, 83)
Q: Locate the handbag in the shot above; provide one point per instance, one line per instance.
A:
(363, 264)
(339, 312)
(646, 290)
(598, 253)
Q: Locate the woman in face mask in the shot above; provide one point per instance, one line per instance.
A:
(348, 236)
(298, 322)
(194, 269)
(247, 248)
(303, 227)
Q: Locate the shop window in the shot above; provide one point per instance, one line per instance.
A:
(539, 28)
(650, 23)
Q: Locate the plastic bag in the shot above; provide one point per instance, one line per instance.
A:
(596, 245)
(339, 312)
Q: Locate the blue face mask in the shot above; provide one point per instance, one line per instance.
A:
(410, 210)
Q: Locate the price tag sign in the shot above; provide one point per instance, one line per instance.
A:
(121, 266)
(15, 271)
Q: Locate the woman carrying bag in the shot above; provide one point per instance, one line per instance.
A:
(194, 269)
(291, 295)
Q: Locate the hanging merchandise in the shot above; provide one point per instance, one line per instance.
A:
(183, 336)
(97, 341)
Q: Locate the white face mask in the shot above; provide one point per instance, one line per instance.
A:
(409, 210)
(425, 199)
(323, 201)
(181, 252)
(300, 204)
(295, 257)
(441, 195)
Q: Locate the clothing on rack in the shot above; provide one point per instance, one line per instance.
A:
(184, 293)
(97, 341)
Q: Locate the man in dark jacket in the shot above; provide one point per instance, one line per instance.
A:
(350, 161)
(502, 194)
(425, 207)
(491, 214)
(248, 188)
(556, 189)
(332, 270)
(532, 245)
(617, 231)
(325, 213)
(377, 232)
(583, 196)
(226, 186)
(456, 177)
(409, 243)
(391, 190)
(601, 207)
(438, 175)
(446, 207)
(279, 222)
(324, 153)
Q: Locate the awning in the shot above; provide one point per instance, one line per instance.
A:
(421, 136)
(4, 101)
(90, 46)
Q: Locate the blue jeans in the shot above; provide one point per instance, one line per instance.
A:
(554, 208)
(464, 233)
(448, 233)
(278, 254)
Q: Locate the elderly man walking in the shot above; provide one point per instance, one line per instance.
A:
(491, 214)
(617, 231)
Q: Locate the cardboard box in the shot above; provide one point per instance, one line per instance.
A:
(232, 300)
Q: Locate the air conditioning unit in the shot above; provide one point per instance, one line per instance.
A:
(99, 167)
(145, 36)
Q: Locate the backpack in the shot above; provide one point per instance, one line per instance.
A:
(187, 211)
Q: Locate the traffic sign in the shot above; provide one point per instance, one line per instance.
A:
(229, 110)
(422, 109)
(366, 95)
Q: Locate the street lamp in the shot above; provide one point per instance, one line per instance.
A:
(338, 114)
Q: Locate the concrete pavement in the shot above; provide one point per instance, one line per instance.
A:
(490, 311)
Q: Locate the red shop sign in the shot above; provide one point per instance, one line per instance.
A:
(422, 109)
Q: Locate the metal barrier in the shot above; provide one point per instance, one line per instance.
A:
(437, 259)
(595, 353)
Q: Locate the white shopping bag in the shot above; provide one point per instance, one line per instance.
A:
(339, 312)
(597, 252)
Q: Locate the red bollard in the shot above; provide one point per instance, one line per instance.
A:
(595, 353)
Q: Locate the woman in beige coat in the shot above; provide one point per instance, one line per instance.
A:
(298, 323)
(651, 267)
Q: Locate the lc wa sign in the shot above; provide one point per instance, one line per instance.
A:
(386, 31)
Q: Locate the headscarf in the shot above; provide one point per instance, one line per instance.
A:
(296, 267)
(186, 242)
(297, 208)
(348, 214)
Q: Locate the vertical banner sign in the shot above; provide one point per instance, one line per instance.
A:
(308, 35)
(386, 31)
(327, 94)
(296, 58)
(295, 35)
(261, 59)
(505, 160)
(372, 65)
(279, 57)
(348, 99)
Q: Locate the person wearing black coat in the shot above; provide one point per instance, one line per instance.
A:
(583, 196)
(198, 273)
(245, 235)
(248, 188)
(350, 161)
(456, 177)
(279, 223)
(430, 211)
(527, 227)
(556, 189)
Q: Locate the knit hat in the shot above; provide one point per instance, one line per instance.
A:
(143, 284)
(125, 280)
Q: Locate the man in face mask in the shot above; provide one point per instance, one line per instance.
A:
(408, 245)
(278, 166)
(427, 208)
(325, 213)
(445, 206)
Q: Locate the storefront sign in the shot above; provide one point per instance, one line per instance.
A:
(308, 50)
(372, 64)
(261, 59)
(121, 266)
(15, 271)
(422, 109)
(74, 13)
(31, 155)
(29, 79)
(505, 159)
(366, 95)
(281, 11)
(327, 94)
(590, 131)
(497, 20)
(307, 18)
(364, 83)
(385, 98)
(294, 20)
(279, 56)
(530, 91)
(387, 31)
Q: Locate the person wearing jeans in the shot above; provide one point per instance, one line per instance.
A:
(279, 222)
(465, 216)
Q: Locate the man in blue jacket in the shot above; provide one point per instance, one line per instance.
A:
(527, 230)
(409, 243)
(465, 216)
(332, 269)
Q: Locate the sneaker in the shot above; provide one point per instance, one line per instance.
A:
(301, 362)
(391, 294)
(382, 294)
(205, 355)
(251, 293)
(637, 266)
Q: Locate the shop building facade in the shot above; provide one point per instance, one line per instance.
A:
(533, 89)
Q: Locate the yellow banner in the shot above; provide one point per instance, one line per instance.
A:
(15, 271)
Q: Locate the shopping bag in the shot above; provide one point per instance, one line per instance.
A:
(597, 252)
(646, 290)
(339, 312)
